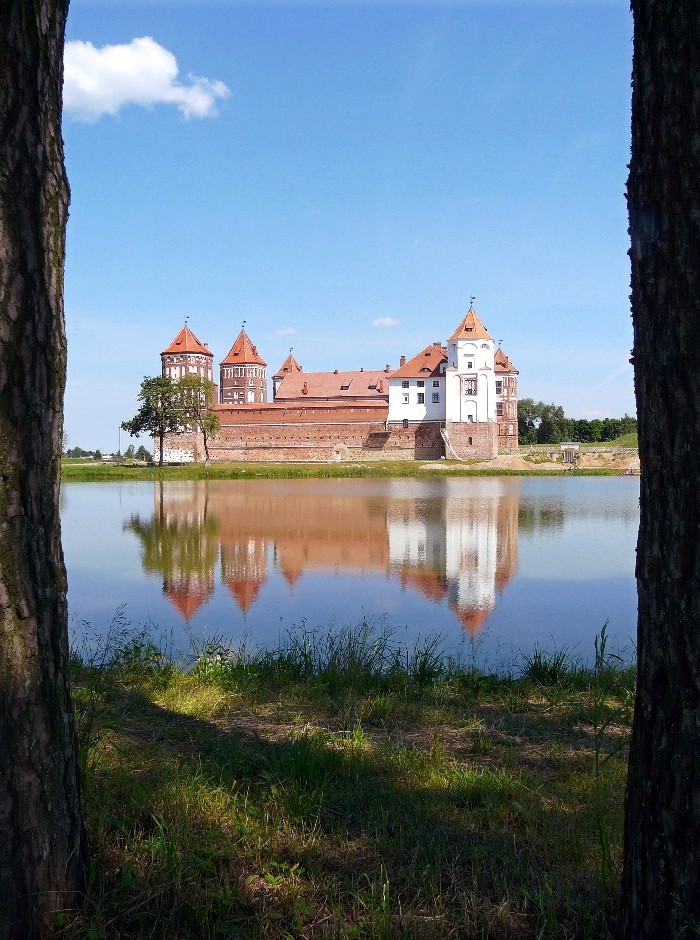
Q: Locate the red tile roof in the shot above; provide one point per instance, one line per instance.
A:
(502, 363)
(186, 341)
(426, 363)
(471, 327)
(188, 600)
(245, 592)
(429, 583)
(314, 386)
(471, 619)
(288, 366)
(243, 352)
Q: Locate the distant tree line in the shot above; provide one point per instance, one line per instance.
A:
(131, 453)
(539, 423)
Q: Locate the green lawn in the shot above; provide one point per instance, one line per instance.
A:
(90, 473)
(342, 788)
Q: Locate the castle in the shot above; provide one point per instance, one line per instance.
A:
(452, 550)
(457, 400)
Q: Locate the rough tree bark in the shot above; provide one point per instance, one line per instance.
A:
(661, 880)
(42, 846)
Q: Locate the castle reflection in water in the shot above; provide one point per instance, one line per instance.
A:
(449, 543)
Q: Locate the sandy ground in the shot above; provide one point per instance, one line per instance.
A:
(622, 461)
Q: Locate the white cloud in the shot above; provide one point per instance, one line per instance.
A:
(105, 80)
(287, 331)
(385, 321)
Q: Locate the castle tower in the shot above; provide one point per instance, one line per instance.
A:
(506, 400)
(243, 374)
(470, 393)
(288, 367)
(187, 355)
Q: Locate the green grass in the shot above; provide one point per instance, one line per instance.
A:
(85, 473)
(340, 787)
(627, 440)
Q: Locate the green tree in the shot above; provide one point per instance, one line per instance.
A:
(159, 413)
(97, 455)
(554, 426)
(661, 877)
(196, 396)
(142, 454)
(130, 452)
(43, 848)
(529, 417)
(628, 425)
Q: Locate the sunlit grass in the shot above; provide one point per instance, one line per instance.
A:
(340, 787)
(95, 473)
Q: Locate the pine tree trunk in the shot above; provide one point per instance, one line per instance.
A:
(42, 842)
(661, 880)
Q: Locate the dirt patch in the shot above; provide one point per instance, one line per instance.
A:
(624, 462)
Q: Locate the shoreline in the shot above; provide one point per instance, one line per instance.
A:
(590, 464)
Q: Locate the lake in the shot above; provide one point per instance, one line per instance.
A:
(496, 566)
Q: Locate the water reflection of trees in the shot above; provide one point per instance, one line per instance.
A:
(532, 517)
(183, 548)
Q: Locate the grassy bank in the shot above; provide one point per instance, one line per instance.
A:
(93, 473)
(342, 787)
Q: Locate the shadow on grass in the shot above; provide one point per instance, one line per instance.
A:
(207, 831)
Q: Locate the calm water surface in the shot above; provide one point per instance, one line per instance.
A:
(495, 566)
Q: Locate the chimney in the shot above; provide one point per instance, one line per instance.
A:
(361, 369)
(387, 368)
(305, 389)
(335, 371)
(402, 361)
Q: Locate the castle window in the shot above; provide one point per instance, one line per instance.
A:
(405, 383)
(469, 387)
(470, 418)
(470, 441)
(436, 383)
(499, 409)
(405, 399)
(405, 424)
(470, 364)
(420, 383)
(421, 398)
(436, 397)
(499, 388)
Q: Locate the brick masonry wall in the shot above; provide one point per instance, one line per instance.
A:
(473, 441)
(332, 440)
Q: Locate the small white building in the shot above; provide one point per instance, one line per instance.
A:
(417, 387)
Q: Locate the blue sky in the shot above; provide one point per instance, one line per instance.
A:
(344, 176)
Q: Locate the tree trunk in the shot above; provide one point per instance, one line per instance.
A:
(661, 879)
(42, 848)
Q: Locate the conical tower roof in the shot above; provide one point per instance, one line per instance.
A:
(187, 342)
(471, 327)
(243, 353)
(289, 366)
(502, 363)
(245, 592)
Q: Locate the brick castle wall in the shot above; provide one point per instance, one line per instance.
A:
(249, 434)
(472, 440)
